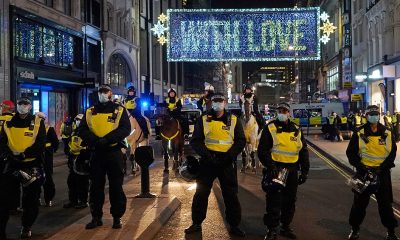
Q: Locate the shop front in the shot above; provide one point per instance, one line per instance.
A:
(47, 66)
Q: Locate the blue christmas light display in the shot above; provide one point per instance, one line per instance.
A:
(243, 34)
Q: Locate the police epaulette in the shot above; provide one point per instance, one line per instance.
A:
(93, 110)
(228, 119)
(32, 125)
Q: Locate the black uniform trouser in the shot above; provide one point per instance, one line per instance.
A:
(281, 204)
(384, 198)
(9, 184)
(66, 146)
(227, 176)
(108, 162)
(78, 187)
(49, 187)
(141, 121)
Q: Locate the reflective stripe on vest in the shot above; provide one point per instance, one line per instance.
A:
(286, 146)
(171, 106)
(218, 136)
(19, 139)
(3, 119)
(103, 123)
(75, 145)
(376, 150)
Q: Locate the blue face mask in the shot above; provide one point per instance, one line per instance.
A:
(218, 106)
(373, 119)
(282, 117)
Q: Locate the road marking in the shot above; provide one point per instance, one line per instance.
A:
(344, 174)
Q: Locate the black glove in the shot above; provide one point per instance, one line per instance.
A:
(302, 179)
(102, 142)
(272, 170)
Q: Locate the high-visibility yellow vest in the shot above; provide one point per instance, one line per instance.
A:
(389, 119)
(63, 134)
(364, 120)
(357, 120)
(331, 120)
(394, 119)
(171, 106)
(103, 123)
(19, 139)
(344, 120)
(3, 119)
(218, 136)
(75, 145)
(130, 104)
(286, 145)
(376, 150)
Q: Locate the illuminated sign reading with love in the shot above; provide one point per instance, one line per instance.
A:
(243, 34)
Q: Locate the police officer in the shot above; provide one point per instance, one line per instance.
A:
(78, 164)
(67, 127)
(218, 138)
(373, 148)
(132, 104)
(282, 145)
(22, 143)
(49, 188)
(357, 121)
(7, 112)
(204, 103)
(174, 106)
(388, 120)
(334, 122)
(104, 128)
(249, 96)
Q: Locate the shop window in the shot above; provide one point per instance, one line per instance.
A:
(43, 44)
(118, 73)
(333, 78)
(93, 12)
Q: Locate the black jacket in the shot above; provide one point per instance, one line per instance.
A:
(34, 151)
(52, 138)
(115, 136)
(198, 145)
(266, 143)
(352, 151)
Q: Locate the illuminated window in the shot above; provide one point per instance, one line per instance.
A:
(118, 73)
(333, 78)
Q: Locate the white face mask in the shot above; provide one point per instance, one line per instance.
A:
(218, 106)
(77, 122)
(103, 97)
(282, 117)
(23, 109)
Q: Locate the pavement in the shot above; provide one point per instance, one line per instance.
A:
(336, 151)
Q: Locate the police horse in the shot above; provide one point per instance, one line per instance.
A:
(251, 134)
(136, 139)
(172, 138)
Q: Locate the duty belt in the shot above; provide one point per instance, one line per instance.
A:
(212, 141)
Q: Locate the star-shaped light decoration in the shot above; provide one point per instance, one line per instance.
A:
(162, 40)
(158, 29)
(162, 17)
(324, 16)
(328, 28)
(325, 39)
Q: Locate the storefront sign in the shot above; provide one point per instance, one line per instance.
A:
(243, 34)
(356, 97)
(27, 75)
(348, 85)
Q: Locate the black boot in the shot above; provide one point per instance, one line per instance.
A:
(192, 229)
(26, 233)
(3, 236)
(354, 234)
(271, 234)
(237, 231)
(287, 232)
(96, 222)
(117, 224)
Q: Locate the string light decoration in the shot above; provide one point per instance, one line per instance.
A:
(327, 28)
(159, 29)
(214, 35)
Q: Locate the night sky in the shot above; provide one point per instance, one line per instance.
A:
(251, 3)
